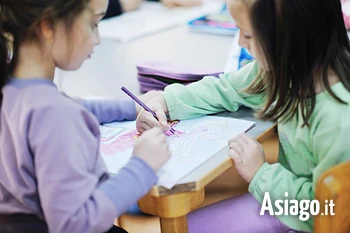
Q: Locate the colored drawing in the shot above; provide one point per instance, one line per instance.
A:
(199, 139)
(114, 139)
(119, 144)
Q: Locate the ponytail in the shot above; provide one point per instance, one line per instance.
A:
(4, 56)
(4, 61)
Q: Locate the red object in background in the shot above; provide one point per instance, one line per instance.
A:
(346, 12)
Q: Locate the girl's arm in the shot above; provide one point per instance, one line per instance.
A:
(207, 96)
(109, 110)
(213, 95)
(122, 109)
(69, 173)
(329, 147)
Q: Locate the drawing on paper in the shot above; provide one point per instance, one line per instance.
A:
(199, 142)
(114, 142)
(183, 146)
(200, 139)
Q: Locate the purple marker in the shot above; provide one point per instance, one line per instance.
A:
(143, 105)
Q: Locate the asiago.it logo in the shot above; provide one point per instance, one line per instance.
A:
(301, 208)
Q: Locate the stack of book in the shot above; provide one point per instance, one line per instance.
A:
(156, 75)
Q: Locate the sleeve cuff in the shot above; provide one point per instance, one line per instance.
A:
(253, 186)
(130, 184)
(108, 212)
(149, 174)
(108, 110)
(129, 109)
(170, 100)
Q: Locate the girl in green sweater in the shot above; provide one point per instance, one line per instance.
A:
(301, 80)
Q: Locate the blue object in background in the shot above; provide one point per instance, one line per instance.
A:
(220, 23)
(244, 58)
(134, 209)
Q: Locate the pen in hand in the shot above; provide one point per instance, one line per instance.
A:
(144, 106)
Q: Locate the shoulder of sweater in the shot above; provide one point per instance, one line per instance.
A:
(43, 96)
(40, 99)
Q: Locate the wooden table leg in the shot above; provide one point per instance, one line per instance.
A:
(172, 209)
(174, 225)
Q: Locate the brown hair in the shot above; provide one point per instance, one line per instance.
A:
(19, 20)
(299, 39)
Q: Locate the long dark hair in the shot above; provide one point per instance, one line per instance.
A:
(299, 38)
(19, 21)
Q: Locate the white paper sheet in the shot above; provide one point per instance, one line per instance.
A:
(200, 139)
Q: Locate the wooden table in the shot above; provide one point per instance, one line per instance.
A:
(173, 205)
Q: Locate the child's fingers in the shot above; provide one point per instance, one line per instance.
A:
(166, 127)
(150, 120)
(144, 126)
(252, 142)
(161, 117)
(168, 3)
(235, 138)
(187, 3)
(237, 159)
(243, 141)
(153, 93)
(155, 132)
(181, 3)
(248, 139)
(141, 130)
(196, 2)
(236, 146)
(158, 132)
(162, 137)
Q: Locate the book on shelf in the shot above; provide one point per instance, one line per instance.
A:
(219, 23)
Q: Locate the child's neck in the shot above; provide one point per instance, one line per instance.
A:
(32, 63)
(332, 79)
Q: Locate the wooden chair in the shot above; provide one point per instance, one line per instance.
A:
(334, 185)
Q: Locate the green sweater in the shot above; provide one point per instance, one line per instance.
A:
(305, 152)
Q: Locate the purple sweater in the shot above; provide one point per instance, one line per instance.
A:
(50, 164)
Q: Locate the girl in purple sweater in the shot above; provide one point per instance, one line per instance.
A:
(52, 178)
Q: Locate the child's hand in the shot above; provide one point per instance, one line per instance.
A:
(146, 120)
(186, 3)
(145, 98)
(247, 154)
(153, 148)
(129, 5)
